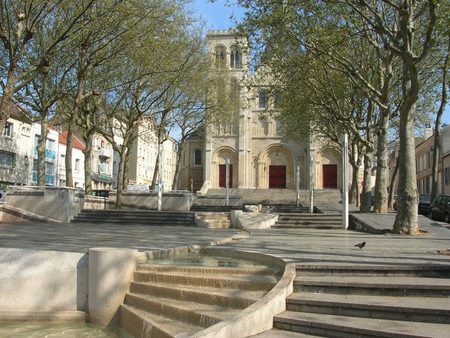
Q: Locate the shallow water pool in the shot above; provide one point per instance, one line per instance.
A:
(196, 259)
(52, 330)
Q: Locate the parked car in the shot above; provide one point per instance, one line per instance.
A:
(424, 204)
(440, 208)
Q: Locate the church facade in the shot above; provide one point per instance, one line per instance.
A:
(251, 141)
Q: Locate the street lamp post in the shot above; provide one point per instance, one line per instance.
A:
(345, 181)
(159, 178)
(227, 181)
(298, 184)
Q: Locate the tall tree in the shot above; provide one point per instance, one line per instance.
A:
(20, 21)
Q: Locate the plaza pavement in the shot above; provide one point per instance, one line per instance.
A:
(320, 246)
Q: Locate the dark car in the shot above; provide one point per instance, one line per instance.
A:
(440, 208)
(424, 204)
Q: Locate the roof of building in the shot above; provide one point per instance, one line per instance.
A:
(20, 114)
(77, 143)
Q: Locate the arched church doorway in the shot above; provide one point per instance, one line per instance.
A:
(221, 157)
(278, 168)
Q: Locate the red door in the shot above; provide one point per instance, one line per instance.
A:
(330, 176)
(223, 176)
(277, 176)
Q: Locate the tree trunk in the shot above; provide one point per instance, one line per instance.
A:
(437, 127)
(392, 185)
(41, 153)
(354, 190)
(69, 146)
(88, 166)
(121, 170)
(6, 101)
(176, 176)
(380, 202)
(156, 172)
(406, 219)
(126, 168)
(366, 199)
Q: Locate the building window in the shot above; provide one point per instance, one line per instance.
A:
(235, 57)
(50, 144)
(277, 100)
(77, 164)
(447, 175)
(49, 168)
(262, 99)
(6, 159)
(8, 131)
(197, 157)
(220, 56)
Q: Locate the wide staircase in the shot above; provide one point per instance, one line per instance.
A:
(178, 301)
(368, 301)
(215, 220)
(296, 220)
(144, 217)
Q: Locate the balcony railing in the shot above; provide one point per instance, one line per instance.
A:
(103, 169)
(103, 152)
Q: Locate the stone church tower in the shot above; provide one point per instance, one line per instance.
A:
(259, 156)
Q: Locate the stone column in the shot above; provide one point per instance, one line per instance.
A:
(110, 273)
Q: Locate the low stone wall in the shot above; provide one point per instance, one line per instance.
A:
(171, 201)
(95, 202)
(43, 281)
(252, 220)
(58, 203)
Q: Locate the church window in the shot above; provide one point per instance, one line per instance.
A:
(235, 57)
(220, 56)
(277, 100)
(197, 157)
(234, 93)
(262, 99)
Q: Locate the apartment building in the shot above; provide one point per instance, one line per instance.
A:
(77, 161)
(16, 144)
(51, 155)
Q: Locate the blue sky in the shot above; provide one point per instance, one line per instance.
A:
(218, 15)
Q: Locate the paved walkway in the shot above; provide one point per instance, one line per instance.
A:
(301, 245)
(336, 246)
(80, 237)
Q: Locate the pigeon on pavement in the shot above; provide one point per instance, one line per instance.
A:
(361, 245)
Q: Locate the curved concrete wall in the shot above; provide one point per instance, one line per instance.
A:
(33, 280)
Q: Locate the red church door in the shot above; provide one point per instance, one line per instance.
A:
(277, 176)
(223, 176)
(330, 176)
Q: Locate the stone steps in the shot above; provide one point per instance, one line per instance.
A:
(369, 301)
(199, 314)
(208, 270)
(419, 309)
(155, 218)
(216, 220)
(428, 270)
(141, 323)
(243, 282)
(318, 221)
(224, 297)
(179, 301)
(386, 286)
(345, 326)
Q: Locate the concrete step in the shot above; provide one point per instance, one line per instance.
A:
(345, 326)
(199, 314)
(386, 286)
(214, 208)
(429, 270)
(239, 299)
(307, 226)
(276, 333)
(42, 316)
(418, 309)
(263, 270)
(245, 282)
(140, 323)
